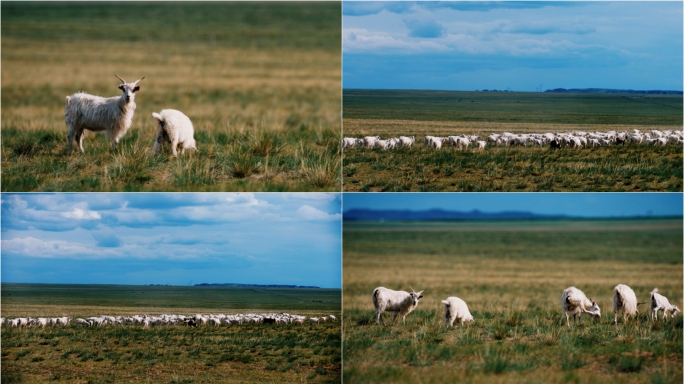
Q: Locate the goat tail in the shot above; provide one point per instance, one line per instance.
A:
(655, 290)
(68, 101)
(375, 298)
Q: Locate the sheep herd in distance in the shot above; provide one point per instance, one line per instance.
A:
(164, 319)
(558, 140)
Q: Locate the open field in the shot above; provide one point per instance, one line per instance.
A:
(260, 82)
(420, 113)
(176, 354)
(511, 274)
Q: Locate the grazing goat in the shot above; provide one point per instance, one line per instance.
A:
(399, 302)
(660, 302)
(112, 115)
(175, 128)
(574, 301)
(456, 309)
(624, 299)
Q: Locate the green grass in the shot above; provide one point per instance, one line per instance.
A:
(528, 169)
(260, 82)
(513, 107)
(16, 298)
(511, 274)
(244, 353)
(131, 353)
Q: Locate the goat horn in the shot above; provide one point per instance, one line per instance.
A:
(412, 288)
(122, 80)
(141, 79)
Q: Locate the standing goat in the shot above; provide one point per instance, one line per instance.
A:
(176, 128)
(399, 302)
(112, 115)
(574, 301)
(624, 299)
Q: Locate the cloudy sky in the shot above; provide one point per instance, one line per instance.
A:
(512, 45)
(591, 205)
(175, 238)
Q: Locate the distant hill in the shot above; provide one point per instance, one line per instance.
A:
(439, 214)
(253, 285)
(606, 90)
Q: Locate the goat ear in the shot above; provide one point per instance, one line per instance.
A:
(121, 87)
(136, 89)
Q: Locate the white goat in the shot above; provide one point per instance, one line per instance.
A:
(175, 128)
(399, 302)
(660, 302)
(456, 309)
(624, 299)
(112, 115)
(574, 301)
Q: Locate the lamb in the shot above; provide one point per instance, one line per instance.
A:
(624, 299)
(574, 301)
(660, 302)
(176, 128)
(399, 302)
(456, 309)
(112, 115)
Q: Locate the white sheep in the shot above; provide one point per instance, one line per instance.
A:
(660, 302)
(399, 302)
(574, 301)
(456, 309)
(624, 299)
(175, 128)
(406, 141)
(112, 115)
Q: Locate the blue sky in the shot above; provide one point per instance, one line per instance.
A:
(575, 204)
(172, 238)
(512, 45)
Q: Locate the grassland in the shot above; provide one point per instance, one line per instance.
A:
(511, 274)
(420, 113)
(260, 81)
(170, 354)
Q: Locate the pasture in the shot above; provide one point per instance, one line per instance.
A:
(511, 275)
(170, 353)
(420, 113)
(260, 82)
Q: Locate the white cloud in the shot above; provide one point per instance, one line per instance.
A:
(307, 212)
(82, 214)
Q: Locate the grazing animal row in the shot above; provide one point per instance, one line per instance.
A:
(148, 321)
(557, 140)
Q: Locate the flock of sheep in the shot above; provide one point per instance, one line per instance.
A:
(574, 139)
(573, 301)
(114, 116)
(191, 321)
